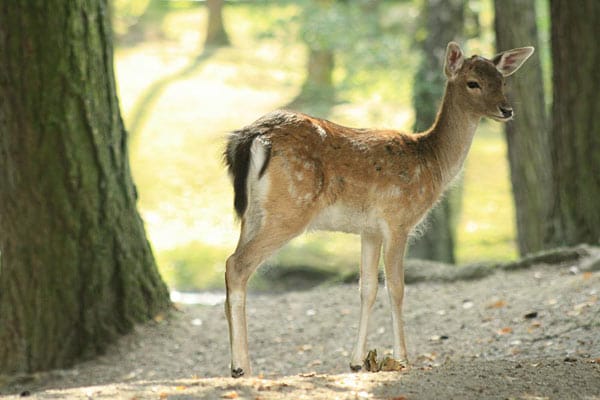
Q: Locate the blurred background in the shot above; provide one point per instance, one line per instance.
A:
(188, 72)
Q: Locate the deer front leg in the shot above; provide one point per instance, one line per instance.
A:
(370, 251)
(394, 276)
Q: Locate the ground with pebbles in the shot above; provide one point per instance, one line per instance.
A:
(530, 332)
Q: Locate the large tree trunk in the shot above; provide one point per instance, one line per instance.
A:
(527, 135)
(444, 22)
(76, 269)
(215, 32)
(575, 139)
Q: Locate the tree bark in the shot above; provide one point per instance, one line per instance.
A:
(575, 139)
(76, 268)
(216, 35)
(527, 135)
(319, 77)
(444, 22)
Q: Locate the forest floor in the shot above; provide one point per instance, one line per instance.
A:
(529, 330)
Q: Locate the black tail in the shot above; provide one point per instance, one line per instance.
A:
(237, 158)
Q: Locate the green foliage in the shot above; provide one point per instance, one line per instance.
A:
(370, 44)
(193, 265)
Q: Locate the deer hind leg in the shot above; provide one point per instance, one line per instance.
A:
(254, 247)
(370, 252)
(394, 248)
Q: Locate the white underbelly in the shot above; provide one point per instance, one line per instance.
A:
(341, 218)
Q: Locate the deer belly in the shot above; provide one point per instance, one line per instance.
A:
(342, 218)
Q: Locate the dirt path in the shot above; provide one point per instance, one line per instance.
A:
(529, 333)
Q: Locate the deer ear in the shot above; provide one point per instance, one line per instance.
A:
(454, 60)
(508, 62)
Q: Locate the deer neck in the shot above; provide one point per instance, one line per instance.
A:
(449, 139)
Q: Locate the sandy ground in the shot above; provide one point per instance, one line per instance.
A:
(530, 333)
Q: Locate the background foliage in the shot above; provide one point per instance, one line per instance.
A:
(185, 98)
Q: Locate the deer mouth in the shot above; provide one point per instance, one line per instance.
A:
(501, 118)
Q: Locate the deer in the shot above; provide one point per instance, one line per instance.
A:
(292, 172)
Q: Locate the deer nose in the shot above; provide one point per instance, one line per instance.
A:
(507, 112)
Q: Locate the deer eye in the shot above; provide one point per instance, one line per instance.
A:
(473, 85)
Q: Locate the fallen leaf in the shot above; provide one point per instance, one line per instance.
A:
(389, 364)
(398, 398)
(505, 331)
(181, 387)
(230, 395)
(308, 374)
(160, 317)
(370, 361)
(534, 326)
(163, 395)
(587, 275)
(497, 304)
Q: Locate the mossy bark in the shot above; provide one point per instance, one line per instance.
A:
(76, 268)
(444, 22)
(575, 138)
(527, 135)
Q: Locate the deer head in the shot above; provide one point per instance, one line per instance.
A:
(478, 83)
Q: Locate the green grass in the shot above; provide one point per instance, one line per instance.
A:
(186, 107)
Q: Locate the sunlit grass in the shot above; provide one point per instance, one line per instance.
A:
(176, 152)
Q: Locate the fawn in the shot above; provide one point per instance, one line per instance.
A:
(292, 172)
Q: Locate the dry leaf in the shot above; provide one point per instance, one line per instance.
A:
(370, 361)
(389, 364)
(163, 395)
(399, 398)
(587, 275)
(505, 331)
(181, 387)
(230, 395)
(497, 304)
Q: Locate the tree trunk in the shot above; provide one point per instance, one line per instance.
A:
(444, 22)
(319, 78)
(216, 35)
(76, 268)
(527, 135)
(575, 139)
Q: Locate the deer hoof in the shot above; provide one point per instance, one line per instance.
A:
(236, 373)
(355, 368)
